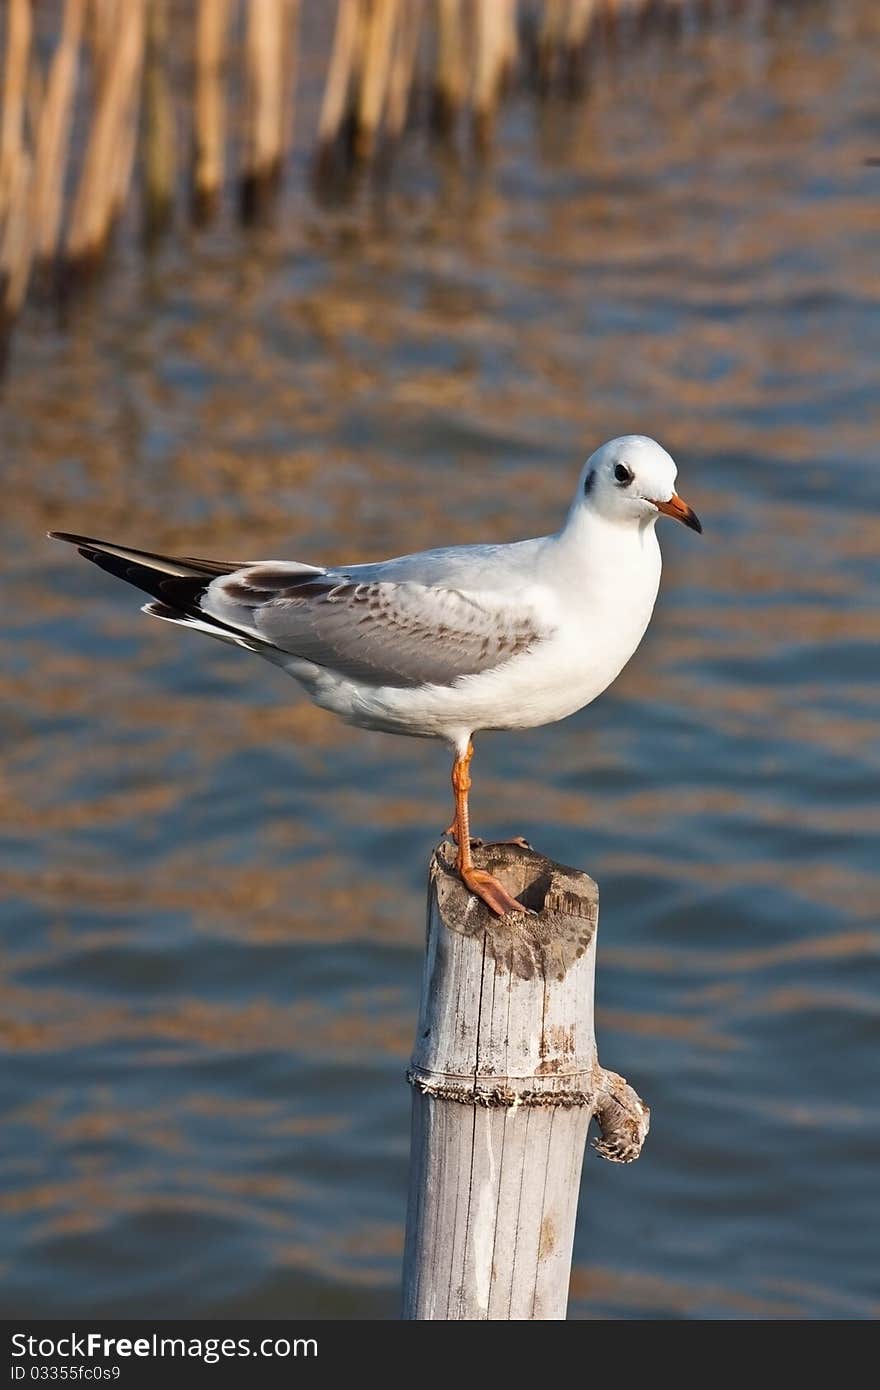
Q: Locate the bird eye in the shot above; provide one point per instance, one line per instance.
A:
(622, 474)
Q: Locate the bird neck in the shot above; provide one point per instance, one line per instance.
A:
(594, 540)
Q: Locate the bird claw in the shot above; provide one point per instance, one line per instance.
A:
(492, 892)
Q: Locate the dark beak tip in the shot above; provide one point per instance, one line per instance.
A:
(693, 521)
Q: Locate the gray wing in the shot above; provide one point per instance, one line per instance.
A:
(377, 631)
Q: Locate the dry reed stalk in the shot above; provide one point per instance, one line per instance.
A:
(403, 66)
(491, 39)
(264, 53)
(617, 13)
(510, 38)
(381, 19)
(290, 69)
(103, 18)
(136, 18)
(53, 135)
(160, 135)
(449, 84)
(562, 39)
(16, 244)
(15, 165)
(580, 18)
(579, 26)
(551, 40)
(15, 85)
(34, 97)
(109, 152)
(340, 73)
(209, 116)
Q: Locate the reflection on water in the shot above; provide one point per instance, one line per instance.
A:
(213, 893)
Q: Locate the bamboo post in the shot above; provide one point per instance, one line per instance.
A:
(449, 78)
(124, 154)
(209, 115)
(378, 49)
(505, 1081)
(160, 135)
(106, 169)
(403, 68)
(510, 39)
(490, 43)
(53, 135)
(290, 72)
(581, 18)
(264, 137)
(19, 25)
(15, 167)
(550, 41)
(343, 58)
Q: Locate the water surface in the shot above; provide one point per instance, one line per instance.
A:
(213, 894)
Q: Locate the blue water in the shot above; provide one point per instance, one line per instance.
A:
(213, 894)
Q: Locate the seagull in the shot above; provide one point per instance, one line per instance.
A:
(448, 642)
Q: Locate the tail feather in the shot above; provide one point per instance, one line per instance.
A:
(204, 624)
(183, 565)
(177, 582)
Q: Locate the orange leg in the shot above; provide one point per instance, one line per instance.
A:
(483, 884)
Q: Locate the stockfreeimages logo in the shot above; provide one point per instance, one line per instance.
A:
(90, 1346)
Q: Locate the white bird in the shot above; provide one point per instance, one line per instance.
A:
(445, 643)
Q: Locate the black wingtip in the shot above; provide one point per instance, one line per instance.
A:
(87, 548)
(70, 538)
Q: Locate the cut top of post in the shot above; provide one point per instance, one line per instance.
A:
(507, 1004)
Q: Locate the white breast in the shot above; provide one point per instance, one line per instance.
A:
(599, 593)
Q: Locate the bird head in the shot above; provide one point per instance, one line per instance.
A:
(632, 479)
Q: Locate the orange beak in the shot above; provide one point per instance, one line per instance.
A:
(680, 510)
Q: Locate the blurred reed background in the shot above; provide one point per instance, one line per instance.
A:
(211, 893)
(170, 97)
